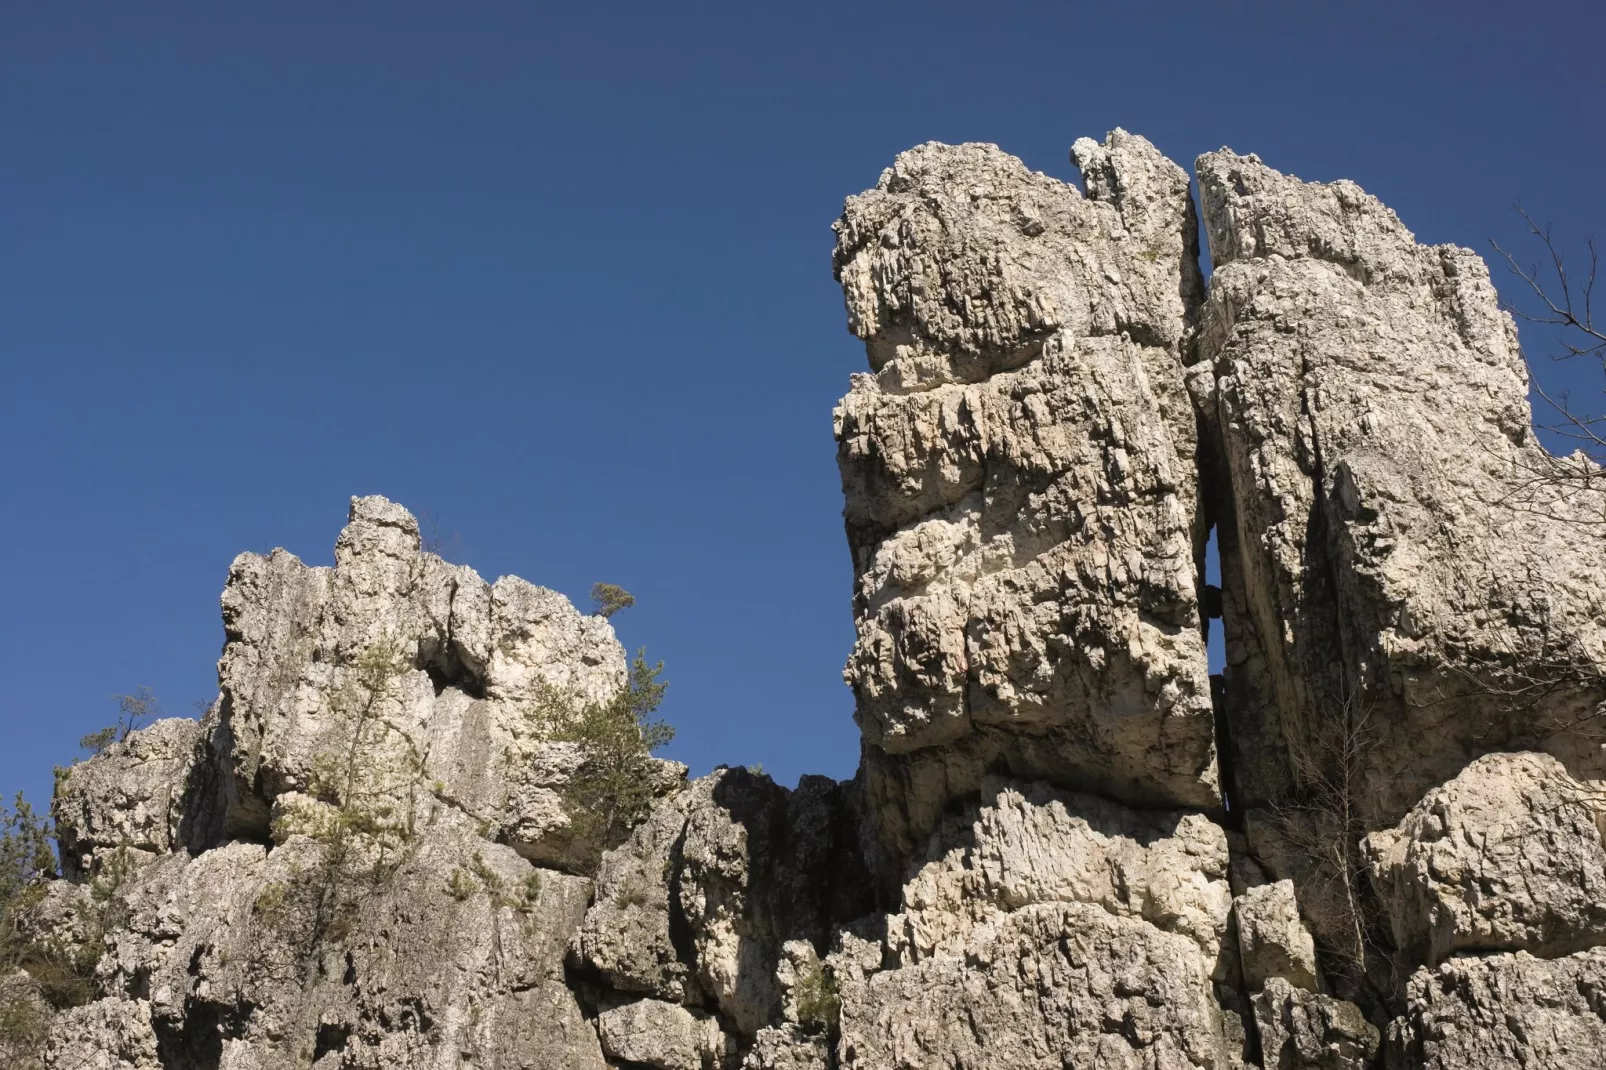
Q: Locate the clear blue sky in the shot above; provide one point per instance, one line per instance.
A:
(563, 281)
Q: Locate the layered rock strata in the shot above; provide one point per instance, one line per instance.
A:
(1374, 839)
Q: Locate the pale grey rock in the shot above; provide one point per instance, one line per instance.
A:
(1019, 476)
(468, 712)
(740, 866)
(1053, 984)
(1049, 928)
(129, 797)
(664, 1035)
(1504, 1012)
(1507, 856)
(1300, 1030)
(788, 1048)
(109, 1034)
(625, 938)
(1272, 940)
(1028, 844)
(1369, 400)
(453, 954)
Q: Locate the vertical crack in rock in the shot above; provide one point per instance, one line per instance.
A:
(1372, 412)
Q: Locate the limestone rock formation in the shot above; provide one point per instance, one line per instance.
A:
(1507, 856)
(1504, 1011)
(1377, 838)
(1394, 577)
(1051, 929)
(700, 905)
(1302, 1030)
(129, 798)
(1019, 475)
(467, 716)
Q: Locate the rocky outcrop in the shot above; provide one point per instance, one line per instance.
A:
(1507, 856)
(1019, 475)
(130, 798)
(468, 716)
(1050, 927)
(1501, 1012)
(1376, 839)
(1302, 1030)
(700, 906)
(1391, 580)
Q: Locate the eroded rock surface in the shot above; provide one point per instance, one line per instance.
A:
(1272, 939)
(1050, 928)
(1019, 475)
(1375, 839)
(1507, 856)
(701, 904)
(465, 718)
(1389, 564)
(130, 798)
(1504, 1011)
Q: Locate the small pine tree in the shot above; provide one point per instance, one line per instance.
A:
(614, 786)
(25, 857)
(133, 713)
(25, 853)
(609, 598)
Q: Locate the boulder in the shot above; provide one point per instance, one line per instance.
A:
(1507, 856)
(1272, 940)
(663, 1035)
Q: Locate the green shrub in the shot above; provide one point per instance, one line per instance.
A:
(615, 783)
(25, 858)
(819, 1005)
(609, 598)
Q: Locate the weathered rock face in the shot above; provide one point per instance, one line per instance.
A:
(1375, 840)
(1501, 1012)
(1506, 856)
(131, 797)
(1390, 563)
(1051, 928)
(699, 907)
(466, 715)
(1302, 1030)
(1019, 474)
(243, 916)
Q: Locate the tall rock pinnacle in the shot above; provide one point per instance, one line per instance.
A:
(1020, 480)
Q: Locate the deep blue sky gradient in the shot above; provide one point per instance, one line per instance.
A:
(562, 280)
